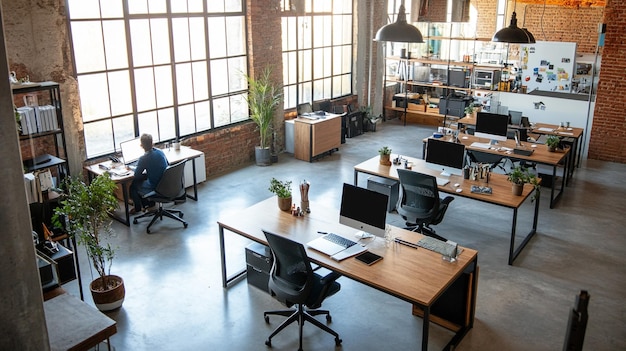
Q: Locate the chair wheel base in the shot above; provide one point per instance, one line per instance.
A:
(268, 343)
(267, 319)
(338, 341)
(329, 318)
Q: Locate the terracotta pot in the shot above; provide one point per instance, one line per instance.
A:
(284, 203)
(551, 148)
(108, 299)
(385, 160)
(517, 189)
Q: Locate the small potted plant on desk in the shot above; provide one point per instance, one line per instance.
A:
(520, 176)
(552, 142)
(84, 213)
(282, 189)
(385, 156)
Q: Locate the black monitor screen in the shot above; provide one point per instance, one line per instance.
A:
(491, 126)
(363, 209)
(445, 155)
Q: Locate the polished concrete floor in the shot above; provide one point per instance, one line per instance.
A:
(175, 301)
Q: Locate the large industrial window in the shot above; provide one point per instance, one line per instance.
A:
(317, 50)
(170, 68)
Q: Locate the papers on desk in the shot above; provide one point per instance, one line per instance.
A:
(123, 172)
(480, 145)
(544, 129)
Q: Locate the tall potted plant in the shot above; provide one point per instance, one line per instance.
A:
(84, 213)
(263, 97)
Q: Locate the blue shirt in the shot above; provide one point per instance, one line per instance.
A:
(154, 163)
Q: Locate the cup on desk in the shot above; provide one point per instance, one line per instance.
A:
(176, 145)
(408, 165)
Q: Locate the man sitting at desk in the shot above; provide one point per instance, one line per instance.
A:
(148, 173)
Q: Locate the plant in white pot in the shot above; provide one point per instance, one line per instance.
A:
(263, 98)
(84, 214)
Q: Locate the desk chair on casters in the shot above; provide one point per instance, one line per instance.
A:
(171, 188)
(293, 282)
(419, 203)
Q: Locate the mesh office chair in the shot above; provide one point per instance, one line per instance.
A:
(419, 203)
(293, 282)
(171, 188)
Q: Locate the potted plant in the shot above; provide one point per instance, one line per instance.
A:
(369, 120)
(520, 176)
(385, 155)
(469, 111)
(263, 97)
(282, 189)
(84, 213)
(552, 142)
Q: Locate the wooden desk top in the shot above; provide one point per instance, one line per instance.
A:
(319, 120)
(74, 325)
(120, 173)
(414, 275)
(500, 186)
(546, 128)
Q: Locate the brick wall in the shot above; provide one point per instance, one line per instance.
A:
(609, 123)
(486, 22)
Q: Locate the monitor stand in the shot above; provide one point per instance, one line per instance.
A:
(444, 174)
(363, 235)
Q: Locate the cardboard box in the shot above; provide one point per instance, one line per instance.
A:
(416, 107)
(432, 109)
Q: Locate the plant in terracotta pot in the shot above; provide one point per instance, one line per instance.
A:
(282, 189)
(385, 156)
(520, 176)
(469, 110)
(84, 213)
(263, 97)
(552, 142)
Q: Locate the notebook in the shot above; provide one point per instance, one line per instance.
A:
(131, 151)
(336, 246)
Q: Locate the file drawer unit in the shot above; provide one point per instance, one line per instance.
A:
(385, 186)
(486, 79)
(258, 265)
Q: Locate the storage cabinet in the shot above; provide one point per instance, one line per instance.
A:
(487, 79)
(258, 265)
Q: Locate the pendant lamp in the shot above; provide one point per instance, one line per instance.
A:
(513, 33)
(400, 31)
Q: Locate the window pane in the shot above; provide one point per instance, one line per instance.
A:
(115, 44)
(111, 8)
(186, 119)
(99, 138)
(167, 124)
(144, 89)
(222, 111)
(94, 96)
(163, 86)
(148, 123)
(180, 30)
(160, 41)
(88, 48)
(123, 129)
(238, 108)
(184, 86)
(236, 70)
(197, 39)
(195, 6)
(119, 89)
(235, 36)
(137, 6)
(217, 37)
(200, 81)
(233, 5)
(157, 6)
(203, 116)
(215, 6)
(219, 77)
(84, 8)
(141, 45)
(306, 63)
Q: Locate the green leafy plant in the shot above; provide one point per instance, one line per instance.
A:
(384, 151)
(552, 141)
(521, 176)
(84, 214)
(470, 109)
(263, 97)
(280, 188)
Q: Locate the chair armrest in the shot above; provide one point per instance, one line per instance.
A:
(447, 200)
(329, 278)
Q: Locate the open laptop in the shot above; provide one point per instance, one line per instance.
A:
(131, 152)
(336, 246)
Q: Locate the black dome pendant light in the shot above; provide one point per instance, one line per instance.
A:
(400, 31)
(513, 33)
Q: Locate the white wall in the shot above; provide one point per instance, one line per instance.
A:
(556, 110)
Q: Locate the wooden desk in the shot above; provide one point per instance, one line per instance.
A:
(74, 325)
(541, 155)
(314, 137)
(123, 176)
(418, 276)
(501, 188)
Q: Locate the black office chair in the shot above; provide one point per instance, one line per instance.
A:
(293, 282)
(304, 108)
(419, 203)
(171, 188)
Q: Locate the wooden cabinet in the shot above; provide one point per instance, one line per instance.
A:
(313, 138)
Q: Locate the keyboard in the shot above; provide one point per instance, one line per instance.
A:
(442, 181)
(435, 245)
(339, 240)
(478, 145)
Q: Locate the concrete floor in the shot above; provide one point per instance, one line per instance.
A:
(174, 299)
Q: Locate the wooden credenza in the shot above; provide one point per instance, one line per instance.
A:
(314, 137)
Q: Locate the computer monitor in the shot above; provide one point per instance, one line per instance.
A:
(445, 156)
(491, 126)
(131, 150)
(363, 209)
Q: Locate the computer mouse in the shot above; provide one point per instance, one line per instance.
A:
(464, 138)
(533, 145)
(459, 190)
(457, 185)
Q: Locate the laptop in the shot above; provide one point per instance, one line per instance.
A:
(131, 151)
(335, 246)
